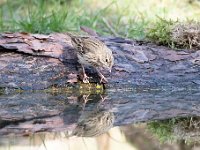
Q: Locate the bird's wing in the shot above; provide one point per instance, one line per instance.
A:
(92, 45)
(77, 43)
(85, 44)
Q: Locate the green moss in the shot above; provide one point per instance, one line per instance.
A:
(160, 32)
(176, 129)
(163, 130)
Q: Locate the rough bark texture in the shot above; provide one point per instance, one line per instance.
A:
(42, 61)
(148, 82)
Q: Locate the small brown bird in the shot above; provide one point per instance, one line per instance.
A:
(92, 52)
(94, 123)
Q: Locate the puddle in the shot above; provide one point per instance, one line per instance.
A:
(133, 119)
(176, 133)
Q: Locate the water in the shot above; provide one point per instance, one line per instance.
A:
(112, 119)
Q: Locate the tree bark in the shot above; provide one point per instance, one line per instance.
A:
(32, 61)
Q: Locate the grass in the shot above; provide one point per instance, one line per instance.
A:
(186, 35)
(160, 32)
(176, 129)
(125, 18)
(163, 130)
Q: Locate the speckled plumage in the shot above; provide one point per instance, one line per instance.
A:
(93, 124)
(92, 52)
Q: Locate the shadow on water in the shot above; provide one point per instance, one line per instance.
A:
(140, 115)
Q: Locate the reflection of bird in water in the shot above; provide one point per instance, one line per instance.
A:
(96, 98)
(94, 124)
(84, 98)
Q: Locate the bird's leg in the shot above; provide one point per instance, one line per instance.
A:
(85, 100)
(85, 77)
(103, 79)
(103, 98)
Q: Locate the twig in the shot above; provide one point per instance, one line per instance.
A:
(89, 31)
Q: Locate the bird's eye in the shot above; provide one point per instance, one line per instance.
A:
(106, 60)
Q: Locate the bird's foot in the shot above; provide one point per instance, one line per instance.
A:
(85, 98)
(103, 79)
(85, 79)
(103, 98)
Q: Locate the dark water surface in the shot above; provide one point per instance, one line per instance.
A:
(111, 119)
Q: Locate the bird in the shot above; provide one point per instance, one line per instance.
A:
(94, 123)
(92, 52)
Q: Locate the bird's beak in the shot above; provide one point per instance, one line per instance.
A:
(110, 70)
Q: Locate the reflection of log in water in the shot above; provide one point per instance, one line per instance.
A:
(30, 112)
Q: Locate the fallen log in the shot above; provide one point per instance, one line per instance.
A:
(33, 62)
